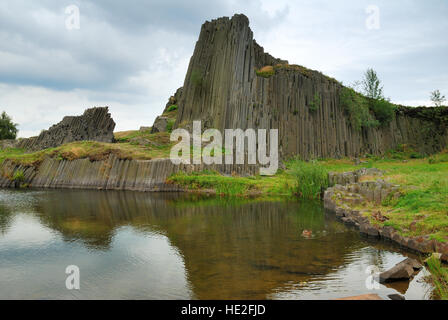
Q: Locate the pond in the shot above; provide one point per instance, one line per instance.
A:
(132, 245)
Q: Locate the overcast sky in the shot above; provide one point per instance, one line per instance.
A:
(132, 55)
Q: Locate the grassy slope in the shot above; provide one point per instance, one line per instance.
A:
(131, 145)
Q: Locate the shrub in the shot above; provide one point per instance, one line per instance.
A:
(311, 178)
(8, 129)
(383, 110)
(171, 108)
(315, 104)
(357, 108)
(169, 125)
(18, 176)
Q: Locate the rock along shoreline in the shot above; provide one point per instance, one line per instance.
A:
(348, 191)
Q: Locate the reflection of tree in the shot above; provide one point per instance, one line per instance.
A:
(5, 218)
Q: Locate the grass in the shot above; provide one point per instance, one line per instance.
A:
(439, 277)
(131, 145)
(265, 72)
(422, 208)
(311, 178)
(280, 184)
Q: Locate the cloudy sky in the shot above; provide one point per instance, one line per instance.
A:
(132, 55)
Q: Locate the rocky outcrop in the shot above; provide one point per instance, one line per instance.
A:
(160, 124)
(110, 174)
(223, 90)
(343, 199)
(95, 124)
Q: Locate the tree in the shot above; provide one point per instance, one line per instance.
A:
(372, 85)
(437, 98)
(8, 129)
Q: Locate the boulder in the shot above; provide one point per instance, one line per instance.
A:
(160, 124)
(401, 271)
(396, 296)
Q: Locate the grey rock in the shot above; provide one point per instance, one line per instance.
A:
(396, 296)
(160, 124)
(95, 124)
(401, 271)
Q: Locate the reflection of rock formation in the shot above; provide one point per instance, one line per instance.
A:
(5, 218)
(230, 251)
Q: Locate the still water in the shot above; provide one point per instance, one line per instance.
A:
(131, 245)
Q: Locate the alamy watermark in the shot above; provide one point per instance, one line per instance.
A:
(73, 19)
(73, 279)
(260, 148)
(373, 18)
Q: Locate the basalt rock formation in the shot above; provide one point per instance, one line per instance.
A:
(225, 89)
(95, 124)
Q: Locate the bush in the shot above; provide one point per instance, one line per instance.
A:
(311, 178)
(357, 108)
(315, 104)
(171, 108)
(19, 176)
(383, 110)
(8, 129)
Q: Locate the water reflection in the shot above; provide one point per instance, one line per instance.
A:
(158, 246)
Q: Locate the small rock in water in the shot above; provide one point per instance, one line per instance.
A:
(401, 271)
(396, 297)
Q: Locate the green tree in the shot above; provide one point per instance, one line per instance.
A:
(437, 98)
(8, 129)
(372, 85)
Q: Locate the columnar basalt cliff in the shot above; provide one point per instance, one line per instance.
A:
(223, 90)
(95, 124)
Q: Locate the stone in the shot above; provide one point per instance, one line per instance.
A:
(160, 124)
(95, 124)
(368, 229)
(396, 296)
(401, 271)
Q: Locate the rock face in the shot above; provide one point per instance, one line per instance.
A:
(223, 90)
(160, 124)
(95, 124)
(112, 173)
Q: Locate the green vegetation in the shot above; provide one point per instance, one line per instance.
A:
(370, 109)
(170, 124)
(315, 104)
(311, 178)
(372, 85)
(357, 108)
(280, 184)
(8, 129)
(437, 98)
(131, 145)
(19, 176)
(439, 277)
(171, 108)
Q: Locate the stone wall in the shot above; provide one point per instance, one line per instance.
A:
(222, 89)
(95, 124)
